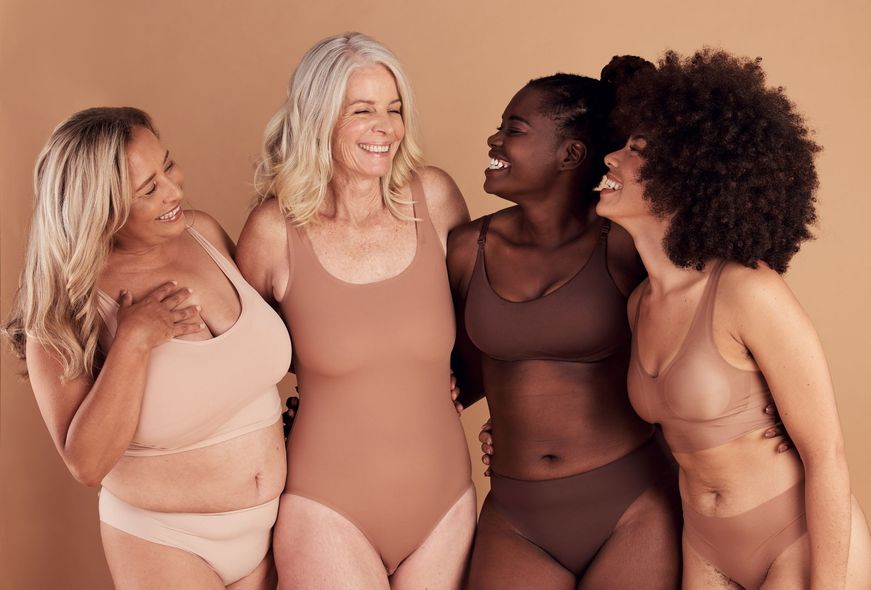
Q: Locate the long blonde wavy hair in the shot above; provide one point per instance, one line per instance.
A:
(82, 197)
(296, 165)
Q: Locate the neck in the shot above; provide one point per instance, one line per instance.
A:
(664, 275)
(557, 215)
(142, 254)
(353, 199)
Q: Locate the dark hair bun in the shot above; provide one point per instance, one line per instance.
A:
(622, 68)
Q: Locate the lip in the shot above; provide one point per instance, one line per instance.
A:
(386, 152)
(497, 156)
(179, 213)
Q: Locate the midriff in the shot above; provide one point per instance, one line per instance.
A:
(239, 473)
(554, 419)
(737, 476)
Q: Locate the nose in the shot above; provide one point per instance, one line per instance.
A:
(381, 124)
(495, 139)
(611, 160)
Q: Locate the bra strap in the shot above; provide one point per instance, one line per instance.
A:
(606, 229)
(482, 235)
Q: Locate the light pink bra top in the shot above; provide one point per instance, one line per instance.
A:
(700, 400)
(204, 392)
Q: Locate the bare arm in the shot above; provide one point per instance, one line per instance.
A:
(447, 208)
(465, 358)
(93, 422)
(777, 331)
(261, 253)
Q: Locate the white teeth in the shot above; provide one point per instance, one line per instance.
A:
(497, 164)
(170, 214)
(378, 149)
(607, 183)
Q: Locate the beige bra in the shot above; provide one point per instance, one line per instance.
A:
(204, 392)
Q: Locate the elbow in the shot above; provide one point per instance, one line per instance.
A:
(86, 473)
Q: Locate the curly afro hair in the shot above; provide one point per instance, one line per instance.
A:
(729, 159)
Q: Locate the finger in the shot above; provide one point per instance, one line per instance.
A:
(784, 446)
(771, 409)
(162, 291)
(185, 313)
(487, 426)
(485, 437)
(487, 473)
(459, 408)
(175, 298)
(485, 459)
(293, 402)
(453, 381)
(187, 328)
(454, 394)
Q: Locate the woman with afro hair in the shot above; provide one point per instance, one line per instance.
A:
(716, 186)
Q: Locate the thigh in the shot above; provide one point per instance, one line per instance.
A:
(317, 547)
(441, 560)
(264, 577)
(698, 574)
(137, 564)
(791, 569)
(502, 558)
(644, 551)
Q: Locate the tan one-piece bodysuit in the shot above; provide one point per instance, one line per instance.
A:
(377, 438)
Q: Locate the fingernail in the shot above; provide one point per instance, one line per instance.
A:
(768, 434)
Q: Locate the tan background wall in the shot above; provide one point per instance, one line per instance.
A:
(212, 72)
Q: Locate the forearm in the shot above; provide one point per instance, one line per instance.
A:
(828, 509)
(106, 421)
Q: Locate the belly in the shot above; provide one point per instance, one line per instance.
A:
(241, 472)
(554, 419)
(735, 477)
(380, 451)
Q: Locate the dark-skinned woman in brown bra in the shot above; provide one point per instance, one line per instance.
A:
(582, 495)
(716, 186)
(349, 244)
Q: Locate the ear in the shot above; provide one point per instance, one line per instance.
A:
(573, 154)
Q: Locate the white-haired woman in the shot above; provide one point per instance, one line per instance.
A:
(349, 243)
(152, 361)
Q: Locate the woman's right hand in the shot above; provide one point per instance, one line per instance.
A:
(159, 316)
(486, 438)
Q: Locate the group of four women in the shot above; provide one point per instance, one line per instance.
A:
(153, 345)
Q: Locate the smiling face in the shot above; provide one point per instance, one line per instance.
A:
(370, 127)
(622, 194)
(525, 150)
(155, 213)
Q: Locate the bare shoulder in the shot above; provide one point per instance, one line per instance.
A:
(756, 300)
(210, 229)
(745, 289)
(266, 222)
(462, 251)
(444, 200)
(262, 254)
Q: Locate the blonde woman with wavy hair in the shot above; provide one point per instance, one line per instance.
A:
(348, 241)
(152, 361)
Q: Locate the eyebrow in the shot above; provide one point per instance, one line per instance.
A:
(521, 119)
(372, 102)
(150, 178)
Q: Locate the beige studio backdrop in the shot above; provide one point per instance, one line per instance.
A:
(212, 72)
